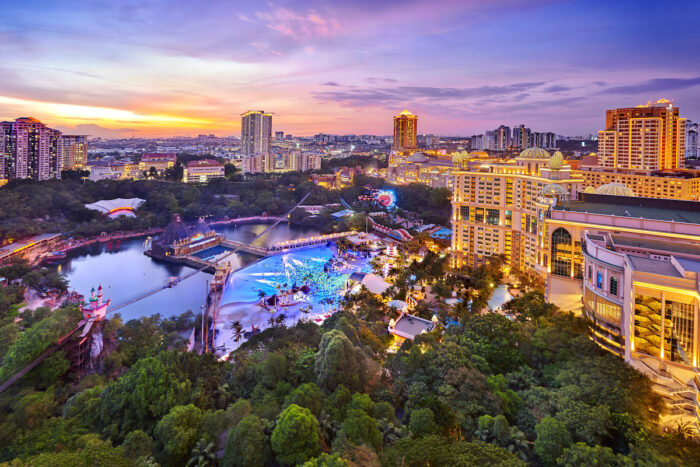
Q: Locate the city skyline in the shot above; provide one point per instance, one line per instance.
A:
(184, 68)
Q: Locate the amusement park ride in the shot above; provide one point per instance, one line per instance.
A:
(384, 198)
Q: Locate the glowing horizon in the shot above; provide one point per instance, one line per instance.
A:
(166, 68)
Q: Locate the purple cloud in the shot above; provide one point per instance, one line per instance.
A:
(382, 96)
(654, 85)
(557, 88)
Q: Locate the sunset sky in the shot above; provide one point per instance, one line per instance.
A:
(159, 67)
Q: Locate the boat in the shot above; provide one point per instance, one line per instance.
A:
(55, 257)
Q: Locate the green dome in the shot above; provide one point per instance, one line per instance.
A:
(534, 153)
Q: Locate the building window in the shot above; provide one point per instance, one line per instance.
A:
(599, 280)
(613, 286)
(590, 273)
(464, 212)
(679, 330)
(561, 252)
(509, 218)
(493, 216)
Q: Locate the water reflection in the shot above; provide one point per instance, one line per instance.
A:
(125, 271)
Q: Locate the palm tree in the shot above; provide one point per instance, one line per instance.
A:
(261, 294)
(279, 321)
(203, 454)
(685, 430)
(519, 444)
(271, 321)
(237, 331)
(305, 310)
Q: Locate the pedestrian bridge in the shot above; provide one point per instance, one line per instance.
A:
(286, 246)
(308, 242)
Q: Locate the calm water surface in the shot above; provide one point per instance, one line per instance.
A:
(126, 271)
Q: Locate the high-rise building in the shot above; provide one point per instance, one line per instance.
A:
(75, 152)
(256, 130)
(477, 142)
(691, 139)
(646, 137)
(503, 138)
(29, 149)
(405, 131)
(546, 140)
(489, 140)
(522, 137)
(279, 136)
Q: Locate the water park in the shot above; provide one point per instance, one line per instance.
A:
(286, 288)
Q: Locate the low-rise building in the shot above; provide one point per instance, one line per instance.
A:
(29, 248)
(642, 301)
(157, 160)
(202, 171)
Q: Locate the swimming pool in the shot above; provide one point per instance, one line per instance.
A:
(322, 269)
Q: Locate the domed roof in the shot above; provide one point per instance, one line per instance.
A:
(614, 189)
(459, 156)
(534, 153)
(554, 189)
(556, 162)
(589, 189)
(417, 157)
(479, 154)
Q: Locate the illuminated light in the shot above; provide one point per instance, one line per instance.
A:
(24, 247)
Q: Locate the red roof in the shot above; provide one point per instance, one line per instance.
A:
(204, 163)
(159, 157)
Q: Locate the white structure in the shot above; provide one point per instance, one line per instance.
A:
(117, 207)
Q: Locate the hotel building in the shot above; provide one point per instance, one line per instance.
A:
(629, 264)
(75, 152)
(646, 137)
(405, 131)
(256, 130)
(681, 184)
(29, 149)
(434, 172)
(499, 208)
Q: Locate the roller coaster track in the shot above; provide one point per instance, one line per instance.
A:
(152, 291)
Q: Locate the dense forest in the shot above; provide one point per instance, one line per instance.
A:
(29, 207)
(489, 391)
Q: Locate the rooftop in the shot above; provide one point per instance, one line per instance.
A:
(658, 245)
(653, 266)
(689, 264)
(204, 163)
(26, 243)
(410, 326)
(159, 156)
(642, 208)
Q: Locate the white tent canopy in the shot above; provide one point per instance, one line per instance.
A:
(375, 284)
